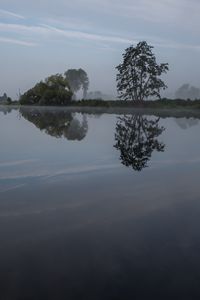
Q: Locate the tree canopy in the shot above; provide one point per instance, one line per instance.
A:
(77, 79)
(54, 90)
(139, 74)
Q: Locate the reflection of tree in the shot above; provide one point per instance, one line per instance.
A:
(77, 130)
(6, 109)
(57, 123)
(184, 123)
(136, 138)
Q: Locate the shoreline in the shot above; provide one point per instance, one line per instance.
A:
(164, 112)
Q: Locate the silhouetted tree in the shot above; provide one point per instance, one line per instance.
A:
(77, 79)
(136, 138)
(57, 123)
(138, 75)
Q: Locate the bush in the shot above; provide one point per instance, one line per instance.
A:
(54, 91)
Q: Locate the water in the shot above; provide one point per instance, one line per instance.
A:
(98, 206)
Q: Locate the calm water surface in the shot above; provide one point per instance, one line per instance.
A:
(98, 206)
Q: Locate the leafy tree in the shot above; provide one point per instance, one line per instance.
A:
(55, 90)
(9, 100)
(136, 138)
(138, 75)
(77, 79)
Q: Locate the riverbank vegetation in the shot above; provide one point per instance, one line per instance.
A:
(138, 81)
(126, 106)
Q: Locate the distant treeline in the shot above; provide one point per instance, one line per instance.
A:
(187, 91)
(162, 103)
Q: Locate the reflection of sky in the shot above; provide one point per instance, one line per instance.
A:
(29, 154)
(70, 212)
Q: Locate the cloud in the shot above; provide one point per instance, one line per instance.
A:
(6, 13)
(50, 31)
(68, 22)
(149, 10)
(174, 12)
(17, 42)
(86, 36)
(22, 29)
(55, 24)
(47, 32)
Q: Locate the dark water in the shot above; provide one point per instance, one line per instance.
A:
(99, 206)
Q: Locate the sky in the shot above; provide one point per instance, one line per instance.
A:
(42, 37)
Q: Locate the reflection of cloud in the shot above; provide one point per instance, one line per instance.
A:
(84, 169)
(177, 162)
(49, 173)
(10, 188)
(17, 162)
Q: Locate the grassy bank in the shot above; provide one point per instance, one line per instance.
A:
(190, 110)
(164, 103)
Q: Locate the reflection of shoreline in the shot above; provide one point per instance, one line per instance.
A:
(57, 123)
(136, 139)
(157, 112)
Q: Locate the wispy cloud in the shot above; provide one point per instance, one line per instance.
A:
(22, 29)
(17, 42)
(47, 32)
(86, 36)
(50, 31)
(6, 13)
(147, 10)
(69, 22)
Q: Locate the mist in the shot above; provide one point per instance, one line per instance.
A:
(38, 40)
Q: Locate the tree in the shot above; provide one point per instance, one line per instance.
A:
(138, 75)
(4, 98)
(136, 138)
(9, 100)
(77, 79)
(186, 91)
(55, 90)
